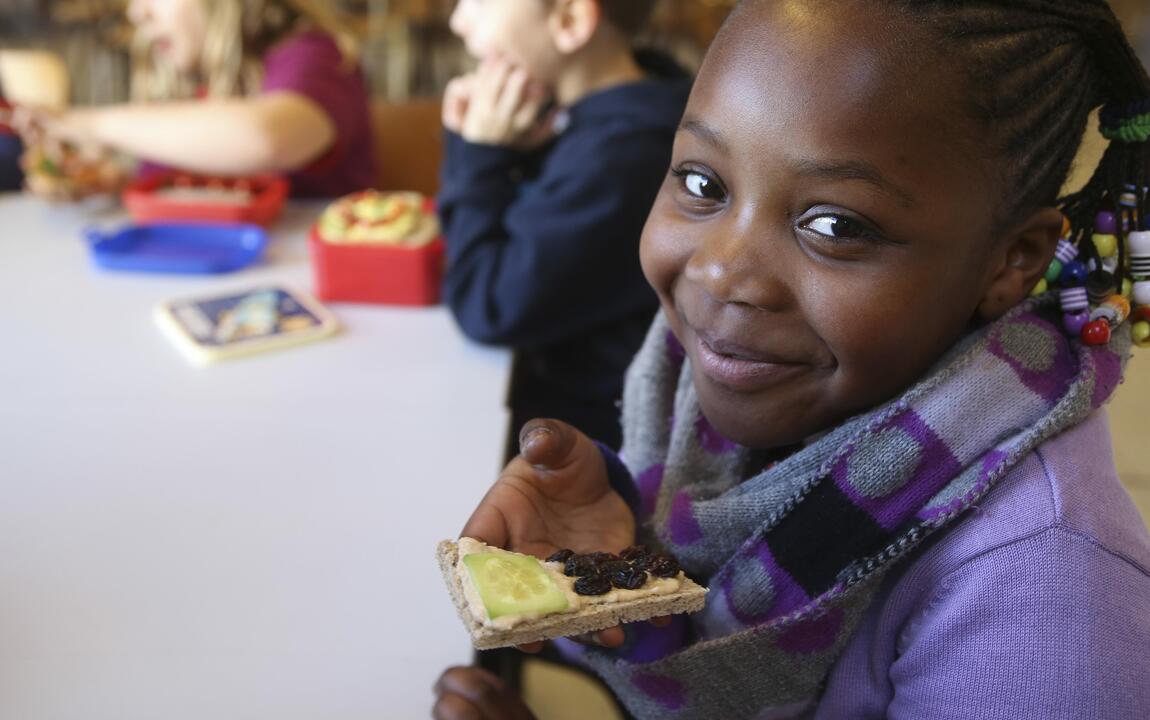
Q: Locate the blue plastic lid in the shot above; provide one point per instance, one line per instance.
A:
(178, 248)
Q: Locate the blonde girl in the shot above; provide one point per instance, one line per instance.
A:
(239, 87)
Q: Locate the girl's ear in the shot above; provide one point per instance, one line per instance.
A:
(1019, 261)
(573, 23)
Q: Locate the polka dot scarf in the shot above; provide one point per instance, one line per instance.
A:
(793, 554)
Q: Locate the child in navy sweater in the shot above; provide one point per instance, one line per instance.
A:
(556, 148)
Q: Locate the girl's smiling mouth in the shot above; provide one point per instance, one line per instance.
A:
(739, 368)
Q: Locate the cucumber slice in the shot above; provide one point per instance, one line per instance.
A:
(513, 584)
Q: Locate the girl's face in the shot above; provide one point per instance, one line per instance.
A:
(825, 233)
(173, 28)
(517, 31)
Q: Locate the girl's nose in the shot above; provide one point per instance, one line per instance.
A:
(737, 267)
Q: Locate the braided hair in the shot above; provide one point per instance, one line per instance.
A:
(1037, 69)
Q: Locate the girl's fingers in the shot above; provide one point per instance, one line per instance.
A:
(531, 648)
(478, 691)
(454, 707)
(610, 638)
(488, 524)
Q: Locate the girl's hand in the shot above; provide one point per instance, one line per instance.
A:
(555, 495)
(503, 108)
(45, 125)
(474, 694)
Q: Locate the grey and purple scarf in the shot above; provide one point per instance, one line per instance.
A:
(794, 554)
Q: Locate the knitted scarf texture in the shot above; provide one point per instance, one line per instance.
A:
(793, 556)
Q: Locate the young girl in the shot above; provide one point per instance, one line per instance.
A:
(240, 87)
(886, 462)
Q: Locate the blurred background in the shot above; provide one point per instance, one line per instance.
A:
(408, 50)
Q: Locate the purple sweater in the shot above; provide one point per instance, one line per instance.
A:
(1035, 605)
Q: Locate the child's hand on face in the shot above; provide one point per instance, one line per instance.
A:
(475, 694)
(500, 105)
(555, 495)
(456, 98)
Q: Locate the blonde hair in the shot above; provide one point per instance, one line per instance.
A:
(236, 35)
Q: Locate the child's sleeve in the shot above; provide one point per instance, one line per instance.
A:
(1009, 635)
(620, 478)
(533, 262)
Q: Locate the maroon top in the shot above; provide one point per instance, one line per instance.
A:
(311, 64)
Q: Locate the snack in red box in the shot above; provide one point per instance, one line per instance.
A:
(378, 218)
(195, 198)
(378, 247)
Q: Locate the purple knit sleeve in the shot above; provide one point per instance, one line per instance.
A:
(1049, 626)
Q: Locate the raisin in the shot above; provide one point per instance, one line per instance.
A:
(592, 585)
(665, 567)
(629, 579)
(598, 558)
(560, 555)
(644, 562)
(613, 566)
(634, 552)
(577, 565)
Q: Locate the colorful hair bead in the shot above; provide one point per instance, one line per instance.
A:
(1096, 332)
(1106, 223)
(1100, 285)
(1041, 287)
(1139, 244)
(1073, 273)
(1065, 252)
(1115, 309)
(1075, 321)
(1140, 331)
(1105, 312)
(1054, 271)
(1074, 300)
(1141, 292)
(1106, 244)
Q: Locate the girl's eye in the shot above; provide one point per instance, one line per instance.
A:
(841, 229)
(699, 185)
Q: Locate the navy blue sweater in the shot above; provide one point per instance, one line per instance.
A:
(543, 247)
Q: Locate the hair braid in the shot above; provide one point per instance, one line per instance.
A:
(1037, 69)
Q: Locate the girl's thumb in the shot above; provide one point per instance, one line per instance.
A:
(546, 444)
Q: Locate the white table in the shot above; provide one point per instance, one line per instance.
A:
(251, 540)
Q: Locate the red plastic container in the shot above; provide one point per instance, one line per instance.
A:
(268, 193)
(381, 274)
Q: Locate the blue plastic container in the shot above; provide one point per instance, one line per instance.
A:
(178, 248)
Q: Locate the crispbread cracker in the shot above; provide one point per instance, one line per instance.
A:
(589, 619)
